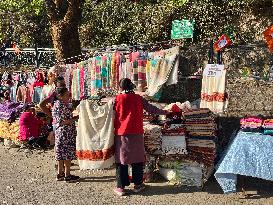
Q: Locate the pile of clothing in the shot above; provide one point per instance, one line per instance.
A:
(257, 125)
(268, 126)
(9, 131)
(174, 140)
(152, 138)
(251, 124)
(201, 131)
(9, 111)
(182, 172)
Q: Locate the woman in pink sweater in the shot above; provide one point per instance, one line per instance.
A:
(29, 125)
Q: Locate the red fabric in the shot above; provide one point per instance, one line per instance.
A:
(30, 126)
(129, 114)
(175, 112)
(222, 42)
(39, 80)
(82, 83)
(268, 35)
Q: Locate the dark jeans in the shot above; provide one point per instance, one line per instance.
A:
(123, 176)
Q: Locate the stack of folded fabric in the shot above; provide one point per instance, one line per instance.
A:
(152, 138)
(251, 124)
(268, 126)
(174, 140)
(147, 118)
(201, 136)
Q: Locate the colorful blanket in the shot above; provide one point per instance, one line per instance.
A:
(163, 72)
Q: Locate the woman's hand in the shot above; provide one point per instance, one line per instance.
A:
(67, 122)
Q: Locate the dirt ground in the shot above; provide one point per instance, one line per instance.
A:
(29, 178)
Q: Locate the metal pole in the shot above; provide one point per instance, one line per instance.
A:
(37, 63)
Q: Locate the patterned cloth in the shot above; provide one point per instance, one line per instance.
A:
(10, 110)
(65, 135)
(164, 69)
(95, 136)
(250, 154)
(213, 90)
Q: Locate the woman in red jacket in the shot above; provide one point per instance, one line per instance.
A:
(129, 140)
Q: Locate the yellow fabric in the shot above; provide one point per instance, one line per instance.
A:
(9, 131)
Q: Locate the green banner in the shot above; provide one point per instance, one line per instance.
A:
(182, 29)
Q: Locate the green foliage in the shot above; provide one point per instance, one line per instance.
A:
(115, 22)
(127, 21)
(25, 22)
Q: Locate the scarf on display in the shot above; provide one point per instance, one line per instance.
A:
(104, 72)
(76, 91)
(39, 80)
(165, 71)
(213, 94)
(114, 70)
(95, 136)
(92, 68)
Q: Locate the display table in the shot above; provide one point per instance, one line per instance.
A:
(250, 154)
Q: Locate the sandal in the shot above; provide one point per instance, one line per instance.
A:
(71, 178)
(119, 191)
(139, 188)
(60, 177)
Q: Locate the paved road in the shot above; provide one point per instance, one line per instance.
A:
(30, 179)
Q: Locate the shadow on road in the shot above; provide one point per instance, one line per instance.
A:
(247, 187)
(98, 179)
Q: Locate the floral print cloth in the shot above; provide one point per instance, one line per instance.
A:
(65, 135)
(250, 154)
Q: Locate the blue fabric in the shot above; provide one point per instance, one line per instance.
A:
(13, 93)
(250, 154)
(37, 94)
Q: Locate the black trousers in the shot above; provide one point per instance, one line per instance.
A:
(123, 176)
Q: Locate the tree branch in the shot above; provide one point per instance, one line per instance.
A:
(74, 11)
(51, 10)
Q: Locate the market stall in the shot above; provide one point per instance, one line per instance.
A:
(185, 147)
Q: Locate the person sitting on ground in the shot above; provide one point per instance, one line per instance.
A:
(42, 141)
(65, 135)
(29, 126)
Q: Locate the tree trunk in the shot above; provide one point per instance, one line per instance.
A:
(66, 41)
(64, 16)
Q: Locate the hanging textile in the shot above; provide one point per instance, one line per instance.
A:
(114, 80)
(95, 135)
(23, 94)
(213, 88)
(141, 81)
(93, 77)
(104, 72)
(36, 97)
(82, 79)
(162, 70)
(75, 88)
(47, 90)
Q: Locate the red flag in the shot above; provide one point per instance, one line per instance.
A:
(222, 42)
(268, 35)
